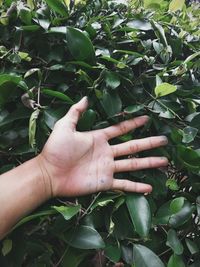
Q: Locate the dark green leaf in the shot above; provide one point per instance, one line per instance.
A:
(59, 95)
(177, 204)
(111, 103)
(58, 7)
(80, 45)
(174, 243)
(84, 237)
(133, 108)
(175, 261)
(182, 216)
(140, 213)
(112, 80)
(144, 257)
(192, 246)
(189, 133)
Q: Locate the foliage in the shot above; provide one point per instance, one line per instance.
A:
(129, 59)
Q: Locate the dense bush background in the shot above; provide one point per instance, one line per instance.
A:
(129, 59)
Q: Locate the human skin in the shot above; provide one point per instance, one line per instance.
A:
(75, 163)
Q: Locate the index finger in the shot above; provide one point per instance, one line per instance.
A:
(125, 127)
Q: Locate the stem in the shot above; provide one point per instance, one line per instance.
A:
(88, 208)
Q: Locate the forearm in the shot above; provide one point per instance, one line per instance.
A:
(21, 190)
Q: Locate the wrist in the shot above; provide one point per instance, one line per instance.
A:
(44, 176)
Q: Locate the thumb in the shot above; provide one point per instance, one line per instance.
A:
(75, 112)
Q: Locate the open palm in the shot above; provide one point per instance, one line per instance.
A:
(79, 163)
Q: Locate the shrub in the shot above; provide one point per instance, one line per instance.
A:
(129, 59)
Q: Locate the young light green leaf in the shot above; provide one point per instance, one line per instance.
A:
(7, 246)
(32, 127)
(172, 184)
(67, 211)
(164, 89)
(176, 5)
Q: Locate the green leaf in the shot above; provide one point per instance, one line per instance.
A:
(34, 216)
(192, 246)
(87, 120)
(176, 5)
(51, 116)
(133, 109)
(84, 237)
(140, 25)
(113, 253)
(198, 205)
(112, 80)
(8, 84)
(58, 7)
(144, 257)
(163, 214)
(25, 15)
(164, 89)
(73, 257)
(7, 246)
(171, 183)
(59, 95)
(67, 211)
(32, 71)
(177, 204)
(140, 213)
(80, 46)
(182, 216)
(18, 114)
(175, 261)
(104, 201)
(32, 127)
(111, 103)
(189, 134)
(174, 243)
(188, 156)
(191, 57)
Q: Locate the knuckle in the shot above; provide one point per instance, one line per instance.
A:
(123, 127)
(151, 162)
(133, 147)
(134, 164)
(125, 185)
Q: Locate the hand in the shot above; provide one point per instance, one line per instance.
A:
(77, 163)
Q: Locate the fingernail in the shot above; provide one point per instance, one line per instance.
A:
(84, 99)
(146, 118)
(164, 140)
(164, 159)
